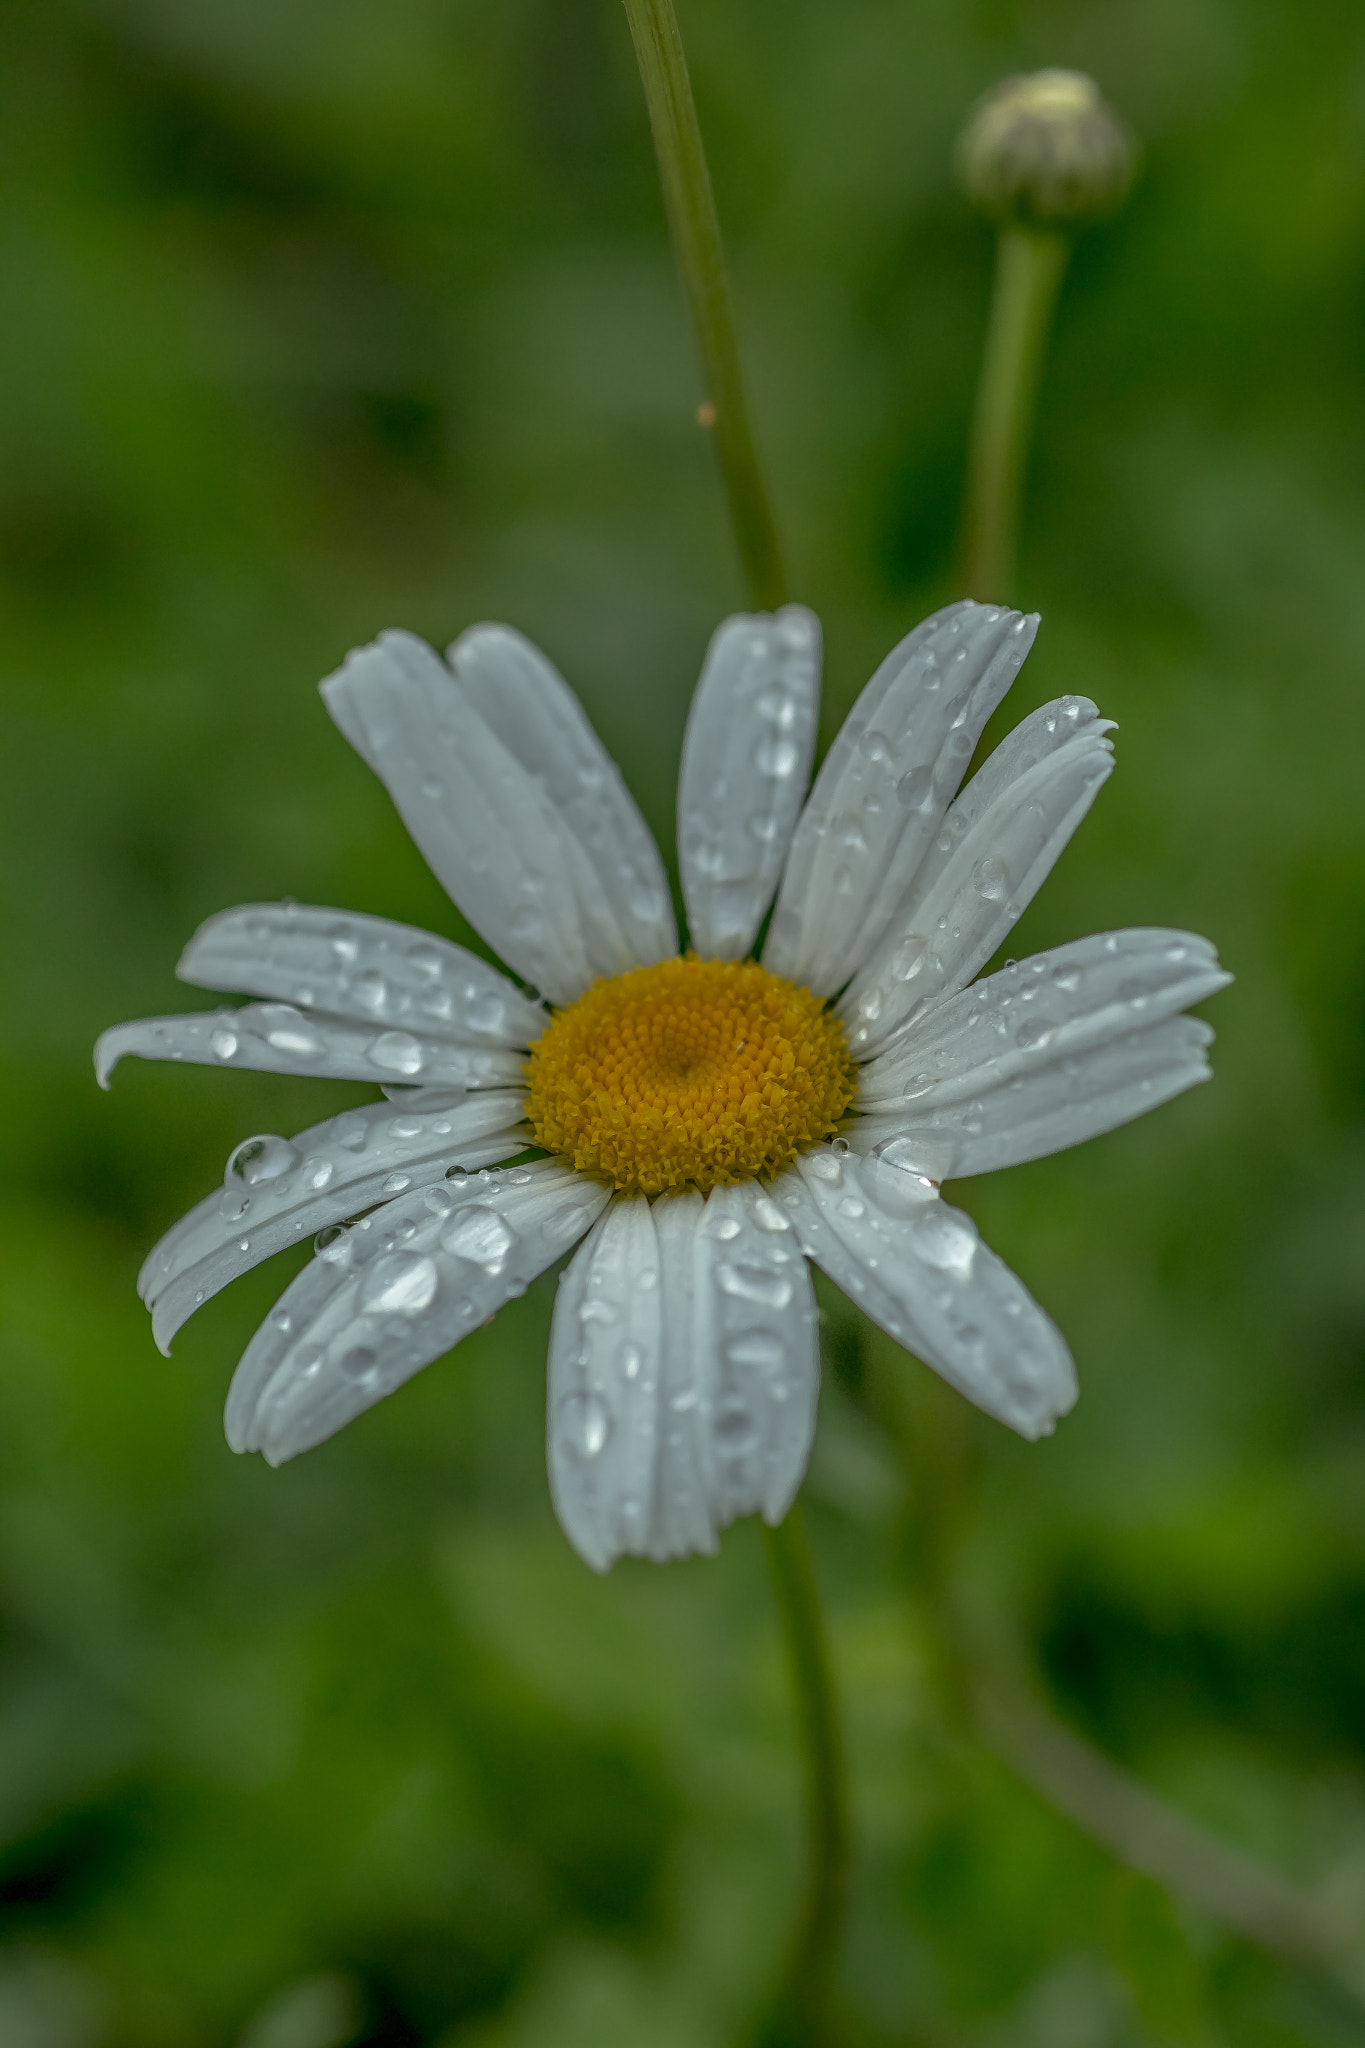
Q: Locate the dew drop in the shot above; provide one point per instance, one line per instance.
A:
(912, 789)
(776, 757)
(583, 1425)
(736, 1430)
(946, 1239)
(399, 1284)
(359, 1364)
(259, 1159)
(397, 1052)
(756, 1351)
(395, 1183)
(223, 1044)
(630, 1358)
(755, 1283)
(316, 1174)
(480, 1235)
(989, 878)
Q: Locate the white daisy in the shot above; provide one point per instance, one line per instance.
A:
(707, 1123)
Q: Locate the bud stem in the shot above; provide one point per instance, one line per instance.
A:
(696, 242)
(1028, 271)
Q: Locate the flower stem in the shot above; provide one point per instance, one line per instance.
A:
(802, 2011)
(1028, 271)
(696, 241)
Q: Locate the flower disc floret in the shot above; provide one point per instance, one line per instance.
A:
(690, 1073)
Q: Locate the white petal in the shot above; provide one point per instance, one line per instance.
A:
(1054, 1006)
(276, 1038)
(277, 1191)
(919, 1269)
(365, 968)
(746, 760)
(684, 1372)
(884, 786)
(488, 830)
(1046, 1109)
(523, 699)
(395, 1291)
(603, 1395)
(998, 863)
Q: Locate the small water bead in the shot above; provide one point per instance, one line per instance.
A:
(736, 1430)
(682, 1402)
(406, 1128)
(777, 757)
(351, 1134)
(583, 1425)
(755, 1283)
(520, 1177)
(756, 1351)
(479, 1235)
(260, 1159)
(397, 1052)
(425, 957)
(335, 1245)
(1068, 979)
(1034, 1033)
(851, 1207)
(344, 943)
(909, 957)
(767, 1215)
(630, 1358)
(723, 1227)
(399, 1283)
(316, 1174)
(223, 1043)
(488, 1016)
(308, 1361)
(395, 1183)
(360, 1364)
(598, 1310)
(370, 990)
(438, 1200)
(280, 1319)
(233, 1203)
(289, 1032)
(780, 710)
(825, 1166)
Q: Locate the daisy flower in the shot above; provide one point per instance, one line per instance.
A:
(699, 1124)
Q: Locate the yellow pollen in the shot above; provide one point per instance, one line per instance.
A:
(690, 1073)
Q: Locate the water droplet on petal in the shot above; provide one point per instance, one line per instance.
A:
(397, 1052)
(359, 1363)
(736, 1430)
(223, 1043)
(583, 1425)
(947, 1239)
(334, 1244)
(756, 1351)
(480, 1235)
(988, 879)
(399, 1284)
(755, 1283)
(912, 789)
(258, 1159)
(316, 1173)
(776, 757)
(630, 1358)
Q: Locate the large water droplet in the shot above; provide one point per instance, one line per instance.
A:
(755, 1283)
(223, 1043)
(584, 1425)
(397, 1052)
(399, 1284)
(767, 1215)
(1034, 1032)
(479, 1235)
(946, 1239)
(258, 1159)
(908, 958)
(289, 1032)
(360, 1364)
(989, 878)
(335, 1244)
(426, 958)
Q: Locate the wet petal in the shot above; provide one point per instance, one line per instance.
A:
(999, 860)
(276, 1038)
(884, 787)
(1051, 1007)
(885, 1236)
(684, 1372)
(1044, 1109)
(278, 1191)
(365, 968)
(486, 827)
(603, 1396)
(395, 1291)
(746, 761)
(524, 700)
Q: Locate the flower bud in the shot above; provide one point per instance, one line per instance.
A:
(1044, 148)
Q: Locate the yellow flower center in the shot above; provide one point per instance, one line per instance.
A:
(690, 1073)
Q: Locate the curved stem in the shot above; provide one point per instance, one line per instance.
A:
(1028, 271)
(802, 2013)
(696, 243)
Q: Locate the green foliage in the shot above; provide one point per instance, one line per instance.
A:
(316, 318)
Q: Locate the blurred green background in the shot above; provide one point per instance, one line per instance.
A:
(318, 316)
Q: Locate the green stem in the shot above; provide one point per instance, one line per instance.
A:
(1028, 271)
(802, 2014)
(696, 242)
